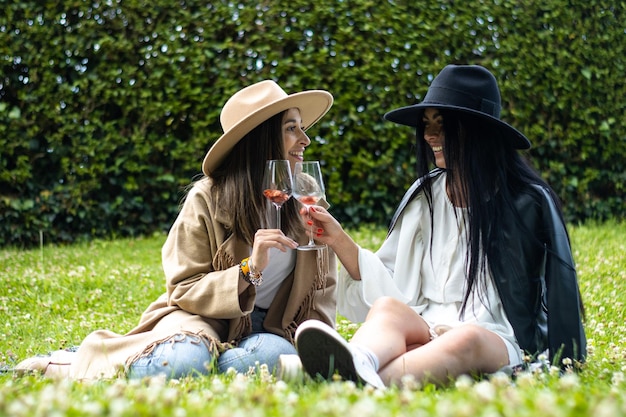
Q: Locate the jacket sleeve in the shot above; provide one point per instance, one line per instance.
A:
(197, 280)
(566, 336)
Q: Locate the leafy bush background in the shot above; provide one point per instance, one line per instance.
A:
(107, 108)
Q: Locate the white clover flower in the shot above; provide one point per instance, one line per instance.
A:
(131, 383)
(280, 386)
(369, 389)
(180, 412)
(617, 378)
(91, 408)
(19, 408)
(464, 382)
(157, 381)
(292, 398)
(208, 395)
(409, 382)
(378, 393)
(485, 390)
(605, 408)
(500, 379)
(547, 403)
(526, 379)
(116, 389)
(406, 396)
(346, 387)
(169, 396)
(195, 400)
(555, 370)
(239, 385)
(364, 407)
(445, 407)
(241, 378)
(119, 407)
(336, 377)
(217, 384)
(569, 381)
(49, 394)
(252, 369)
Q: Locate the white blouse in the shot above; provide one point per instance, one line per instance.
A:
(430, 280)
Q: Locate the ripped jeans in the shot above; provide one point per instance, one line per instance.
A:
(188, 355)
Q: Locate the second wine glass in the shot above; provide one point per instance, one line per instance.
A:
(308, 189)
(277, 184)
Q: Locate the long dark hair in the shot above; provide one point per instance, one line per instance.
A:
(238, 182)
(484, 173)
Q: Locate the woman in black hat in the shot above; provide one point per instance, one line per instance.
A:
(476, 273)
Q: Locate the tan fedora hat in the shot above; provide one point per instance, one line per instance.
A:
(253, 105)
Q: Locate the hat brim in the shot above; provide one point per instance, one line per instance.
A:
(409, 116)
(313, 104)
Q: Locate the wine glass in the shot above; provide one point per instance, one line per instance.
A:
(308, 189)
(277, 184)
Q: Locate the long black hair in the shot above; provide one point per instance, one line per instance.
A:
(238, 182)
(484, 174)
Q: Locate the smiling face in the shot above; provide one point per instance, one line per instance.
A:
(434, 134)
(295, 140)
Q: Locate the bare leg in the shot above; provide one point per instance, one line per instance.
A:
(467, 349)
(391, 328)
(400, 339)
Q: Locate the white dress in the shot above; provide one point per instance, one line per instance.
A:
(431, 282)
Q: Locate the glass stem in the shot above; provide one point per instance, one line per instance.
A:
(311, 242)
(278, 217)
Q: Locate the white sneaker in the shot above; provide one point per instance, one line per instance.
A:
(289, 368)
(323, 352)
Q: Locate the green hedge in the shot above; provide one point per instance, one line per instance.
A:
(107, 108)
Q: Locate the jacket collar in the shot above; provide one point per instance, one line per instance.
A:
(415, 188)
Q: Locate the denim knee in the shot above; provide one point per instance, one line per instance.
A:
(256, 349)
(180, 356)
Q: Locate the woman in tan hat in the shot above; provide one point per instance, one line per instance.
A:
(213, 316)
(476, 271)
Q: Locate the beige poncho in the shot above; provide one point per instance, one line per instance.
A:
(201, 264)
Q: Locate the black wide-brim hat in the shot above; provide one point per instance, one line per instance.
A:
(470, 89)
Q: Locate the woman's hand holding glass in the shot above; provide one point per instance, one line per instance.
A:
(326, 229)
(277, 188)
(264, 239)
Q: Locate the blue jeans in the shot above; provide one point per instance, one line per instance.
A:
(186, 355)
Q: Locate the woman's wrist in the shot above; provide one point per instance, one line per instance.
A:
(249, 273)
(347, 251)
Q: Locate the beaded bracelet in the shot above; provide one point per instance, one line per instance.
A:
(249, 274)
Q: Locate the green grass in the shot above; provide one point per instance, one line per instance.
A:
(52, 297)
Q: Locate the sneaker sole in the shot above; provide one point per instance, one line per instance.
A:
(323, 355)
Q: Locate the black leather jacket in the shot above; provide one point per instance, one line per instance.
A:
(535, 275)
